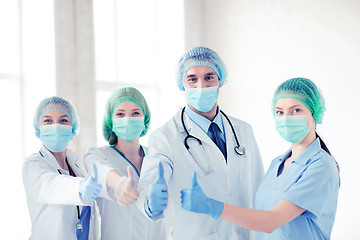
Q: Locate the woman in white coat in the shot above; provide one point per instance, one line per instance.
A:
(56, 190)
(200, 138)
(126, 119)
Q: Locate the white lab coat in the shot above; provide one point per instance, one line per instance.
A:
(120, 222)
(235, 183)
(52, 197)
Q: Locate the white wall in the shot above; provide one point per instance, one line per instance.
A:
(265, 42)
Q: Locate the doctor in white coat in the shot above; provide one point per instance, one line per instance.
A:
(201, 138)
(126, 119)
(55, 186)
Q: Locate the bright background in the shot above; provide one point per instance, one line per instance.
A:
(84, 50)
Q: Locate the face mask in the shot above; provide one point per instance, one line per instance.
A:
(292, 128)
(202, 99)
(56, 137)
(128, 128)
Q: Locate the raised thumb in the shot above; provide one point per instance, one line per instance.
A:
(131, 174)
(194, 180)
(160, 178)
(94, 172)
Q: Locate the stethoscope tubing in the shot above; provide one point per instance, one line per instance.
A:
(238, 149)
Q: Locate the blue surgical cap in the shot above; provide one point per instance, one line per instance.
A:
(200, 56)
(53, 104)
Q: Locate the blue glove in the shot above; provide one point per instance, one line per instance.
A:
(195, 200)
(89, 187)
(158, 194)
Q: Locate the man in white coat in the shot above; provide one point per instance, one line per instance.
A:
(200, 138)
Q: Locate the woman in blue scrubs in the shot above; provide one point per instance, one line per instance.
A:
(297, 198)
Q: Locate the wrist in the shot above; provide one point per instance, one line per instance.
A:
(216, 207)
(149, 213)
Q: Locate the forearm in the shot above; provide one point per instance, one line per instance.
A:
(111, 178)
(257, 220)
(262, 221)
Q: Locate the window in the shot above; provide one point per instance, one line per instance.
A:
(26, 76)
(139, 47)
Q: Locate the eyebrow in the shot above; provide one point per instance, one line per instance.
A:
(122, 110)
(295, 106)
(210, 73)
(206, 74)
(62, 116)
(191, 75)
(289, 107)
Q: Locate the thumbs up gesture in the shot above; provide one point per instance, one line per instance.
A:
(195, 200)
(158, 194)
(89, 187)
(124, 189)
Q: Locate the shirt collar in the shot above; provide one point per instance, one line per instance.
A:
(71, 156)
(305, 156)
(285, 155)
(203, 122)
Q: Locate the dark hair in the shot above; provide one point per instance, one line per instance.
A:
(325, 148)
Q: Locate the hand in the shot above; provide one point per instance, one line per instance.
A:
(195, 200)
(89, 187)
(124, 189)
(158, 194)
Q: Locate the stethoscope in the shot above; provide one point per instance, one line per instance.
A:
(238, 149)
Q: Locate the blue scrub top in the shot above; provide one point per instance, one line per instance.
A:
(312, 183)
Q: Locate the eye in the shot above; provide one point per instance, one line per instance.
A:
(297, 110)
(209, 78)
(279, 113)
(135, 113)
(64, 120)
(191, 79)
(47, 121)
(120, 114)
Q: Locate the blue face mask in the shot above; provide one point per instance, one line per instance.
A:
(292, 128)
(202, 99)
(128, 128)
(56, 137)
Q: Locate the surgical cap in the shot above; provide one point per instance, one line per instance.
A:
(306, 92)
(55, 103)
(119, 96)
(200, 56)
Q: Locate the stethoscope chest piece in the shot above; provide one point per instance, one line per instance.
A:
(239, 150)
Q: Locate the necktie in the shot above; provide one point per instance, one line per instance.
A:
(215, 130)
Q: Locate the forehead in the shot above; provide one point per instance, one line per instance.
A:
(55, 114)
(127, 105)
(288, 103)
(199, 70)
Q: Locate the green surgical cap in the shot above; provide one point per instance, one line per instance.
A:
(119, 96)
(200, 56)
(52, 104)
(306, 92)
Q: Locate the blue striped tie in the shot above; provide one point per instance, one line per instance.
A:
(215, 130)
